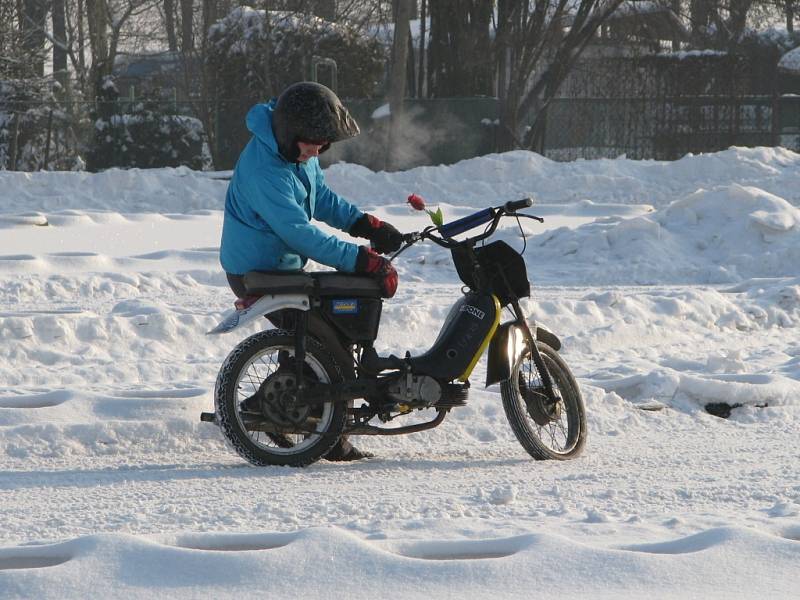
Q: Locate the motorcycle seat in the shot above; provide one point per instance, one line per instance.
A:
(325, 283)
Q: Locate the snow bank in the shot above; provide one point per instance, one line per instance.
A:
(177, 190)
(331, 562)
(490, 180)
(477, 182)
(721, 235)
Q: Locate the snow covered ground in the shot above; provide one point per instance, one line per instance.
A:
(672, 285)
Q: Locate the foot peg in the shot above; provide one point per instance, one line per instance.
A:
(207, 417)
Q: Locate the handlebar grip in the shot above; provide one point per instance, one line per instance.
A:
(515, 205)
(466, 223)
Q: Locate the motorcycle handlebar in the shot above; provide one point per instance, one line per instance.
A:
(516, 205)
(448, 230)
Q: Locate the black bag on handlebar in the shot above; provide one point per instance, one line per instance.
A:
(495, 268)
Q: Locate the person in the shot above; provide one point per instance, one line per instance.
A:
(278, 187)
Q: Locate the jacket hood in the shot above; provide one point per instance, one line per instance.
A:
(259, 123)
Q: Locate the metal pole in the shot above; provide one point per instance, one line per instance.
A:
(47, 145)
(397, 81)
(316, 61)
(15, 142)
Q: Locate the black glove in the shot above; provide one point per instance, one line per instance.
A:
(384, 237)
(371, 263)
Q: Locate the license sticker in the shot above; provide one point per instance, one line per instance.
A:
(345, 307)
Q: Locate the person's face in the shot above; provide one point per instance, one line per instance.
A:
(308, 150)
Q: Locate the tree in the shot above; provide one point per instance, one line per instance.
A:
(459, 61)
(187, 12)
(701, 13)
(107, 20)
(22, 40)
(397, 82)
(788, 11)
(722, 24)
(169, 25)
(60, 46)
(10, 56)
(537, 43)
(32, 24)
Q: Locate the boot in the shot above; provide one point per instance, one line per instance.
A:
(344, 451)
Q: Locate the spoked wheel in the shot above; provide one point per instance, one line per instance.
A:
(255, 403)
(546, 430)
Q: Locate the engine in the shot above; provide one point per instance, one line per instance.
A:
(415, 388)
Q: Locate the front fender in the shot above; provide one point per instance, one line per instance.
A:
(543, 334)
(263, 306)
(507, 344)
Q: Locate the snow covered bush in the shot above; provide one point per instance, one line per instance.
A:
(144, 137)
(259, 57)
(36, 132)
(252, 58)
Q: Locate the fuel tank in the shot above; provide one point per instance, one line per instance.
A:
(466, 332)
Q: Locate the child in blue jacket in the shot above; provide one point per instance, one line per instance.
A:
(277, 189)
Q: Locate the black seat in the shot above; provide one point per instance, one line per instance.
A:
(326, 283)
(259, 283)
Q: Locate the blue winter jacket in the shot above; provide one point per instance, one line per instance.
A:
(269, 207)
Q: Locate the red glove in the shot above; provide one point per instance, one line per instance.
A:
(372, 263)
(384, 237)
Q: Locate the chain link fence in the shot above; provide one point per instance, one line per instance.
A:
(664, 106)
(662, 129)
(444, 131)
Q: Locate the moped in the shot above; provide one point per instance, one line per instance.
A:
(285, 396)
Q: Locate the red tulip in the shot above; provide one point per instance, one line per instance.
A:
(416, 202)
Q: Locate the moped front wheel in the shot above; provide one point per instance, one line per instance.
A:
(256, 408)
(547, 430)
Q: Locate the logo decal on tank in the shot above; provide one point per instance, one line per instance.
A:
(475, 312)
(345, 307)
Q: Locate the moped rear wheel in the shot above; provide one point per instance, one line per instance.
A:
(254, 394)
(547, 431)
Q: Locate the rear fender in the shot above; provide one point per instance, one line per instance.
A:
(263, 306)
(507, 345)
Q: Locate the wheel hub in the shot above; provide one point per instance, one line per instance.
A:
(279, 399)
(541, 409)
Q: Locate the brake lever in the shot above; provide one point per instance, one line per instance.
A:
(534, 217)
